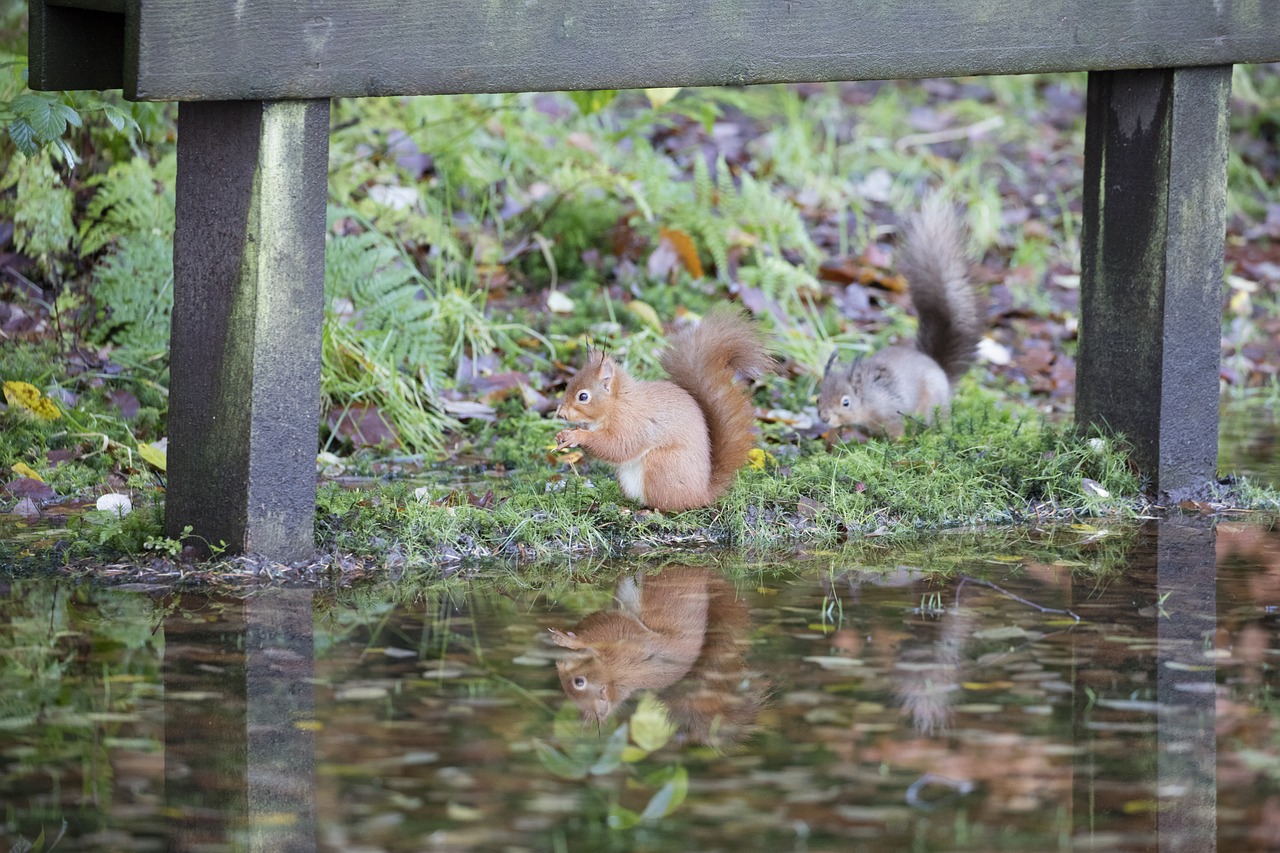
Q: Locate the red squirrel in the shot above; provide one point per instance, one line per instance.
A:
(681, 632)
(650, 639)
(879, 392)
(677, 444)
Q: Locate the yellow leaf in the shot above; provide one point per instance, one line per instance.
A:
(27, 398)
(660, 97)
(645, 314)
(1140, 807)
(685, 250)
(757, 458)
(1240, 304)
(277, 819)
(458, 811)
(24, 470)
(651, 728)
(156, 456)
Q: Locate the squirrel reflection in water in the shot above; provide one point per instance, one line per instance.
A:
(681, 633)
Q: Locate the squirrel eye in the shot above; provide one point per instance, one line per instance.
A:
(844, 401)
(579, 681)
(584, 396)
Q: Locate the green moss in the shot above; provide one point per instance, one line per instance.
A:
(988, 465)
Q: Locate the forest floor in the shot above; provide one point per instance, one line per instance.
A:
(1024, 198)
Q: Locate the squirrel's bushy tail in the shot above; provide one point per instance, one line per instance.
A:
(933, 258)
(703, 360)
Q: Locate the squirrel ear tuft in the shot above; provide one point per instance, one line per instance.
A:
(830, 361)
(607, 370)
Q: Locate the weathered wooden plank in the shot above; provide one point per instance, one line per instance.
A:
(193, 50)
(245, 343)
(1151, 260)
(75, 48)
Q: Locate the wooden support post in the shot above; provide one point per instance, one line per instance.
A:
(248, 305)
(1152, 258)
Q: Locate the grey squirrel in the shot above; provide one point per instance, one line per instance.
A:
(880, 391)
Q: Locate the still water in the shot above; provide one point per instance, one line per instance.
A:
(1106, 689)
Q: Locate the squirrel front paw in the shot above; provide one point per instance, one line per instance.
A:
(567, 438)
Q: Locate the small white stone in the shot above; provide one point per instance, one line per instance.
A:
(558, 303)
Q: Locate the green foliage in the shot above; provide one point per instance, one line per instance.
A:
(133, 289)
(574, 753)
(394, 337)
(360, 368)
(1253, 177)
(132, 198)
(132, 212)
(988, 465)
(42, 214)
(517, 439)
(723, 215)
(90, 426)
(108, 532)
(38, 122)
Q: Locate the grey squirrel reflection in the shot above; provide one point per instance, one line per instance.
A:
(682, 633)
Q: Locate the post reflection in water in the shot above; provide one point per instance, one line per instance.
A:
(1162, 636)
(239, 722)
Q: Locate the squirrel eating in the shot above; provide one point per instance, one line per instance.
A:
(682, 633)
(651, 638)
(880, 391)
(677, 443)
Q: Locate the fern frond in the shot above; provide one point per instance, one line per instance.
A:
(131, 198)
